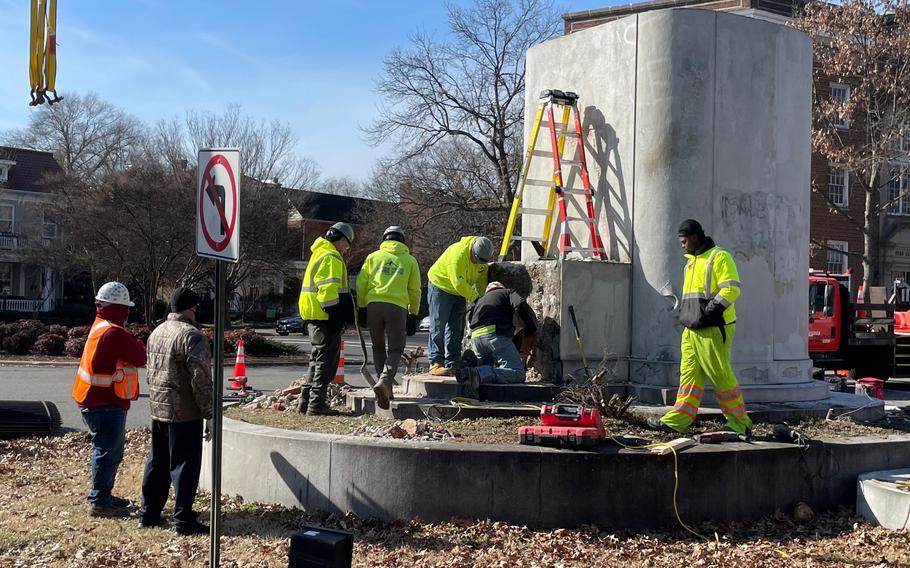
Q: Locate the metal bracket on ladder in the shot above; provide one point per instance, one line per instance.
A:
(567, 101)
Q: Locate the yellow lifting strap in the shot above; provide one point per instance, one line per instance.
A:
(42, 64)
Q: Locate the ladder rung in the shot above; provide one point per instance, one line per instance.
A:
(585, 219)
(524, 238)
(539, 182)
(542, 154)
(583, 249)
(534, 211)
(560, 129)
(569, 163)
(575, 191)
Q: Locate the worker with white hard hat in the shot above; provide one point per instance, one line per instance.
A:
(105, 383)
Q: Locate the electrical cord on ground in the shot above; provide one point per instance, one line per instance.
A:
(675, 479)
(871, 402)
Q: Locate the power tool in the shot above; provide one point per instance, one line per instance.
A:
(565, 426)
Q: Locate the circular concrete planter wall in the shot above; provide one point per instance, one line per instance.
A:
(539, 487)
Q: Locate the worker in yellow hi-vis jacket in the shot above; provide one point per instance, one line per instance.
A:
(710, 288)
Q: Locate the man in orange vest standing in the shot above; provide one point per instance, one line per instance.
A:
(106, 382)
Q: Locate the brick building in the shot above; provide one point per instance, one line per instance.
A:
(833, 190)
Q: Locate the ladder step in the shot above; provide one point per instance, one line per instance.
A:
(534, 211)
(560, 129)
(570, 162)
(585, 219)
(575, 191)
(524, 238)
(539, 182)
(583, 249)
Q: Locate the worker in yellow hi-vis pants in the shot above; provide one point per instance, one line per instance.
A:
(710, 287)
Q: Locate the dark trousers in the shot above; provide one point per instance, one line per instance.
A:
(387, 320)
(176, 457)
(323, 362)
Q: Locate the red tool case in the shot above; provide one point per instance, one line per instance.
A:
(565, 425)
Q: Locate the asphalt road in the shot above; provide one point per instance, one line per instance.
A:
(38, 382)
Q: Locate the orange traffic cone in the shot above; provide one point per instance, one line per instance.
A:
(239, 380)
(339, 374)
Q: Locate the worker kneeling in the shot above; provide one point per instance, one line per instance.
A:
(492, 324)
(710, 287)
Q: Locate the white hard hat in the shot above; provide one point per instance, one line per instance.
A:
(114, 293)
(482, 248)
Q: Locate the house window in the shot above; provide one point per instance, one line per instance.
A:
(6, 278)
(899, 191)
(49, 229)
(837, 257)
(838, 185)
(4, 173)
(840, 94)
(7, 217)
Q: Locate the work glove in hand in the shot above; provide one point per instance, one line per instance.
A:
(412, 324)
(208, 432)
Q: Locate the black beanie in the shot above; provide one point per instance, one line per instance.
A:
(183, 299)
(690, 227)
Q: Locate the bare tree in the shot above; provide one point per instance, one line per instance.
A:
(469, 87)
(340, 186)
(864, 44)
(438, 197)
(90, 137)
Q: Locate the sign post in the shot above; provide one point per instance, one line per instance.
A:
(218, 237)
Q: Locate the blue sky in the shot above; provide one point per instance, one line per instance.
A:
(312, 64)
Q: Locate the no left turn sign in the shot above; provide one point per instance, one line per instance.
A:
(218, 204)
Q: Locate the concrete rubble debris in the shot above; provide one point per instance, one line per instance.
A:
(410, 429)
(285, 400)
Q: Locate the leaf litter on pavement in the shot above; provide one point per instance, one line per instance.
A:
(44, 522)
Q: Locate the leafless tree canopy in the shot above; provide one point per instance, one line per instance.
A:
(469, 87)
(90, 137)
(864, 44)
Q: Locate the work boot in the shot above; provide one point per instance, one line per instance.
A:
(469, 359)
(655, 423)
(470, 383)
(304, 401)
(108, 512)
(152, 522)
(383, 390)
(120, 502)
(438, 370)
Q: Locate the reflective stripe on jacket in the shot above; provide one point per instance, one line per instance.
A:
(390, 275)
(453, 272)
(125, 379)
(710, 287)
(325, 279)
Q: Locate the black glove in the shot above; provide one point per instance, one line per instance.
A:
(412, 324)
(337, 318)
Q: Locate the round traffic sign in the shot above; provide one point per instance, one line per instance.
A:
(208, 191)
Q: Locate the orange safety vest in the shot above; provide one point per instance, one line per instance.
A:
(125, 379)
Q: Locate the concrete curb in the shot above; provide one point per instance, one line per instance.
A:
(542, 487)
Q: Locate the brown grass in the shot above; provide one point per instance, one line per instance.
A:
(44, 523)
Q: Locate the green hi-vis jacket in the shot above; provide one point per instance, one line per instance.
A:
(325, 279)
(710, 286)
(390, 275)
(453, 272)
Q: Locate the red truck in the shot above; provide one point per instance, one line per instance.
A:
(868, 340)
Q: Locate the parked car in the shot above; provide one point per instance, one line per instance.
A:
(424, 324)
(293, 324)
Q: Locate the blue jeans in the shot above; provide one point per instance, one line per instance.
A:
(447, 313)
(107, 428)
(499, 359)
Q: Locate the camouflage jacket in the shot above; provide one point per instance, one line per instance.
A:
(179, 371)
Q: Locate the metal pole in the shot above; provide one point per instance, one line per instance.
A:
(215, 518)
